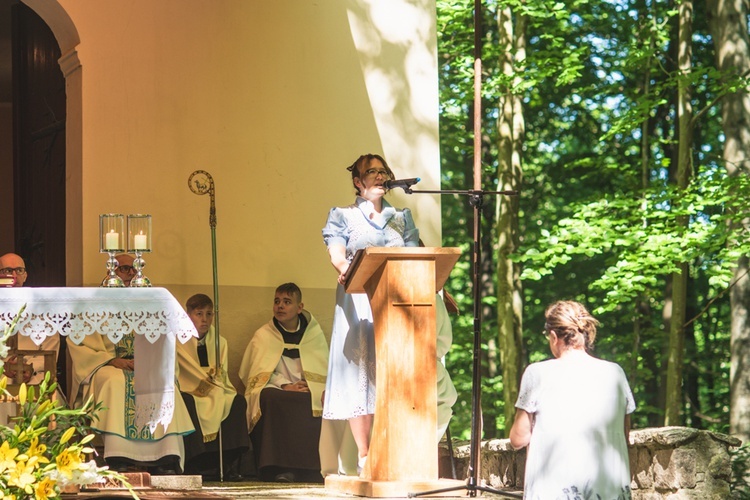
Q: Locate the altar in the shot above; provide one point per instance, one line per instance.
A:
(153, 313)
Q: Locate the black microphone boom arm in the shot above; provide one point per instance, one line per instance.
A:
(404, 184)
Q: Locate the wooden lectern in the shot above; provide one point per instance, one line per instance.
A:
(401, 284)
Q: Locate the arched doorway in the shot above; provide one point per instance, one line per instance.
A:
(52, 14)
(39, 119)
(43, 203)
(23, 236)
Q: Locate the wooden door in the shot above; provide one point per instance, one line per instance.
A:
(39, 149)
(39, 106)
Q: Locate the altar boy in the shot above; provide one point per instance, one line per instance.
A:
(210, 397)
(284, 370)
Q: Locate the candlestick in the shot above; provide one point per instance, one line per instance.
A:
(139, 241)
(111, 227)
(139, 233)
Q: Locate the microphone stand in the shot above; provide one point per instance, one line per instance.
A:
(476, 200)
(200, 182)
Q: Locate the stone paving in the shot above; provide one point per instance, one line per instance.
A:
(301, 491)
(186, 488)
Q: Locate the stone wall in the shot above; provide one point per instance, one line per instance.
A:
(665, 463)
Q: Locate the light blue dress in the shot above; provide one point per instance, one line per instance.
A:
(350, 385)
(577, 449)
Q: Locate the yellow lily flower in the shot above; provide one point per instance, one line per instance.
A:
(38, 450)
(7, 457)
(67, 461)
(45, 489)
(22, 476)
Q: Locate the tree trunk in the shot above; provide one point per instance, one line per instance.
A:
(642, 315)
(728, 24)
(511, 130)
(684, 169)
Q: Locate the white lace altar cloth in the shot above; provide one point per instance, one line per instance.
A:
(76, 312)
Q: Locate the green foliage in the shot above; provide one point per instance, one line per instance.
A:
(597, 210)
(641, 240)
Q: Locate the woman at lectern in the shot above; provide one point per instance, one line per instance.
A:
(369, 222)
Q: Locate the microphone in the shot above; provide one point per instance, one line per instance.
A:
(404, 184)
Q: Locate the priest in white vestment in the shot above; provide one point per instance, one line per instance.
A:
(13, 265)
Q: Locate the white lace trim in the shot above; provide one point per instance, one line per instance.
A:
(152, 313)
(154, 409)
(77, 312)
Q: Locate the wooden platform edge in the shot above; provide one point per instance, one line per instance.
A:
(354, 485)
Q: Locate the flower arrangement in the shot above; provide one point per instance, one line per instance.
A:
(44, 451)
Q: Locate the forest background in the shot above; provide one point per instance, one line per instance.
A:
(624, 126)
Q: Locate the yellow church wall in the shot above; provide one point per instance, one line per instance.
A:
(274, 98)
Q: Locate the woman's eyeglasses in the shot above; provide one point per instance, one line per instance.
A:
(374, 171)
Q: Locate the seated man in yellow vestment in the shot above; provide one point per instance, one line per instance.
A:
(104, 370)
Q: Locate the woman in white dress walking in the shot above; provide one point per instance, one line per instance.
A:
(573, 412)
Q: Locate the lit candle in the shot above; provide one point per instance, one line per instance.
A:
(140, 241)
(112, 240)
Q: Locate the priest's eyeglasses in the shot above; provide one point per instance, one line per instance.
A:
(125, 269)
(20, 271)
